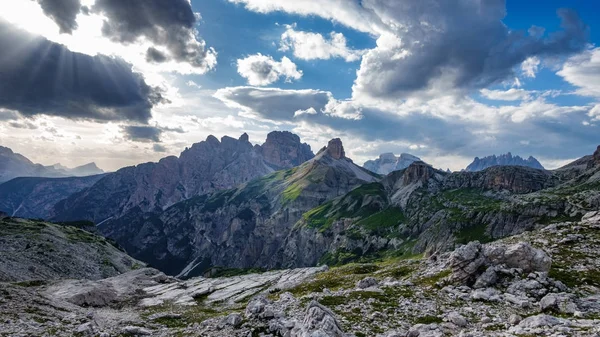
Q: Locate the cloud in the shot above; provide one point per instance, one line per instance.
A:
(508, 95)
(142, 133)
(530, 66)
(313, 46)
(273, 104)
(425, 48)
(264, 70)
(147, 133)
(23, 125)
(154, 55)
(445, 126)
(169, 24)
(159, 148)
(583, 71)
(449, 47)
(63, 12)
(42, 77)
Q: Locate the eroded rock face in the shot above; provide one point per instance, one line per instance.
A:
(283, 149)
(336, 149)
(388, 162)
(515, 179)
(508, 159)
(418, 171)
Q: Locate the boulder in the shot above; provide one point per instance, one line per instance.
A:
(520, 255)
(466, 261)
(367, 282)
(318, 321)
(561, 303)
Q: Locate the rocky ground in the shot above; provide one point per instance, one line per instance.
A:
(540, 283)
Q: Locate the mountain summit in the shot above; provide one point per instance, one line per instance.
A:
(508, 159)
(388, 162)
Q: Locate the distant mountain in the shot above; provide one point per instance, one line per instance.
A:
(208, 166)
(79, 171)
(240, 227)
(388, 162)
(34, 197)
(508, 159)
(13, 165)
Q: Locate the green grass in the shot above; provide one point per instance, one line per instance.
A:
(476, 232)
(379, 222)
(292, 192)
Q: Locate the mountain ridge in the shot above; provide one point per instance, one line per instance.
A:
(507, 159)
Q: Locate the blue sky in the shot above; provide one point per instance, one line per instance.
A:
(445, 80)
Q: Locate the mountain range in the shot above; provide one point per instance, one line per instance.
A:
(230, 204)
(388, 162)
(508, 159)
(13, 165)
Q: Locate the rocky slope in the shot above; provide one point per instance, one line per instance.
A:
(34, 198)
(508, 159)
(207, 166)
(34, 250)
(237, 228)
(388, 162)
(540, 283)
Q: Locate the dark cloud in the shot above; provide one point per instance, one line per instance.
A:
(159, 148)
(167, 23)
(42, 77)
(146, 133)
(23, 125)
(63, 12)
(8, 115)
(456, 45)
(275, 104)
(142, 133)
(154, 55)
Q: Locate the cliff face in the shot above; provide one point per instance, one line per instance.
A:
(205, 167)
(508, 159)
(284, 150)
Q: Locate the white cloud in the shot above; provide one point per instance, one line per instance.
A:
(530, 66)
(313, 46)
(583, 71)
(508, 95)
(595, 113)
(264, 70)
(193, 84)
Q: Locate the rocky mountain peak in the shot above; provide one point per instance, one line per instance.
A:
(283, 149)
(244, 137)
(335, 148)
(417, 171)
(595, 158)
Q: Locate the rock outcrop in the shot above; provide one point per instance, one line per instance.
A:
(508, 159)
(388, 162)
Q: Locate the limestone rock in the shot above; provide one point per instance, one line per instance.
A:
(520, 255)
(318, 321)
(367, 282)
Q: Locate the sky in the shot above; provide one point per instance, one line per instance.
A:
(125, 82)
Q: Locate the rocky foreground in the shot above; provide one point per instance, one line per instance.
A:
(541, 283)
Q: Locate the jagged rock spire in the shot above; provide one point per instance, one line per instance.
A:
(335, 148)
